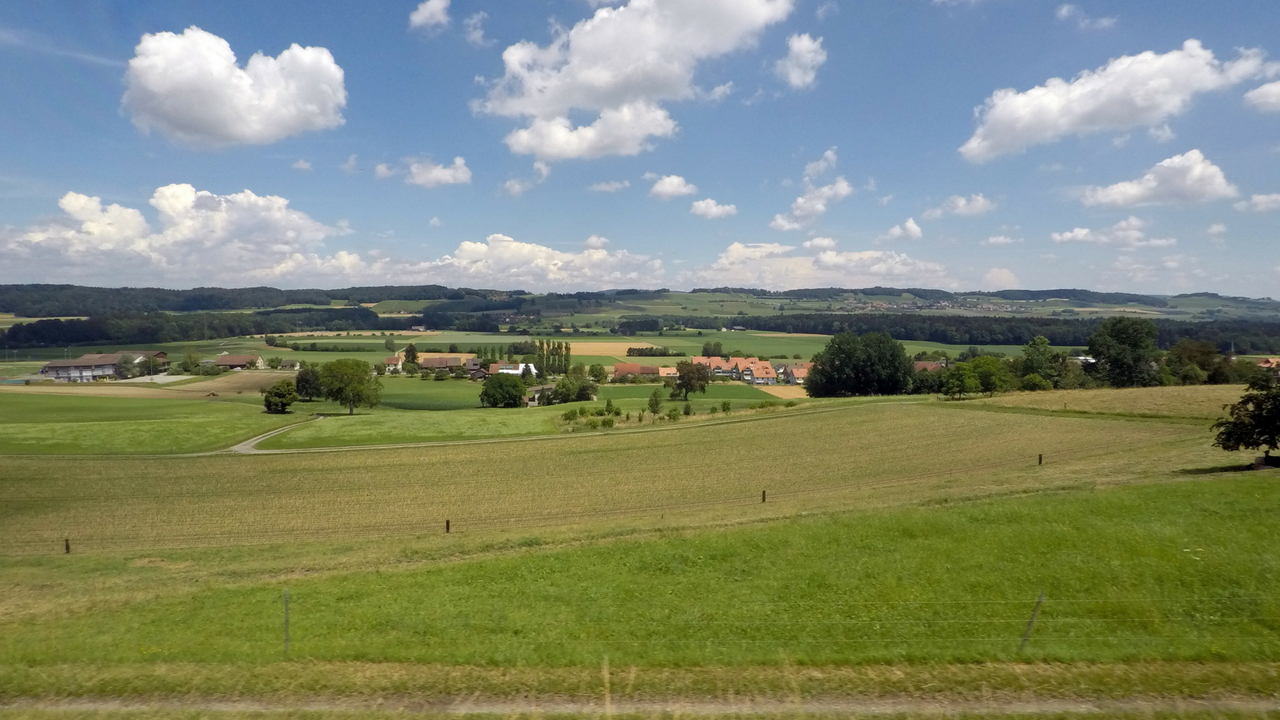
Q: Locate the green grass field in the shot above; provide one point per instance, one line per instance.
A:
(899, 554)
(1189, 572)
(46, 424)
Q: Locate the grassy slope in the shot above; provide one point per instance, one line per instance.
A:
(1184, 571)
(1203, 401)
(47, 424)
(845, 456)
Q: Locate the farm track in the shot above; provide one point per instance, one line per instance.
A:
(937, 706)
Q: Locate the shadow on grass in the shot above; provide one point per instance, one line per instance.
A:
(1214, 470)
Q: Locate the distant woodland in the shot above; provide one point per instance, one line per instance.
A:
(139, 316)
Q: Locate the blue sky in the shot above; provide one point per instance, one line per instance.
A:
(961, 144)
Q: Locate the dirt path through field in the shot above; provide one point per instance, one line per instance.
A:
(937, 706)
(786, 392)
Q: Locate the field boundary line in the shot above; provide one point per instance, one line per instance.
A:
(558, 436)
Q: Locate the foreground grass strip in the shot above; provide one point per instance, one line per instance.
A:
(303, 680)
(1174, 572)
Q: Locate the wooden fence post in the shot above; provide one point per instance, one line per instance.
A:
(286, 622)
(1031, 623)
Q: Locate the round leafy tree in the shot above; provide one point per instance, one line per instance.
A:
(873, 364)
(502, 391)
(1254, 422)
(280, 396)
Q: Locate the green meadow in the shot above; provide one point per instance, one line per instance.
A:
(75, 424)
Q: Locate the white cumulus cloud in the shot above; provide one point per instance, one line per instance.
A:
(302, 165)
(1127, 234)
(385, 171)
(1185, 178)
(960, 205)
(711, 210)
(428, 174)
(1130, 91)
(189, 88)
(1000, 279)
(816, 198)
(820, 243)
(819, 167)
(1259, 203)
(908, 230)
(671, 186)
(1001, 240)
(432, 13)
(1265, 98)
(621, 65)
(804, 56)
(245, 239)
(771, 265)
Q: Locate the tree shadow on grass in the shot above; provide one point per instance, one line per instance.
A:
(1214, 470)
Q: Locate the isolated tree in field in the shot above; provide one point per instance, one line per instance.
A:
(390, 345)
(502, 391)
(1125, 349)
(411, 353)
(280, 396)
(873, 364)
(308, 383)
(655, 402)
(126, 367)
(1254, 422)
(598, 373)
(350, 383)
(690, 377)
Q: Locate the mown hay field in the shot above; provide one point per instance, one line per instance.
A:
(1198, 401)
(839, 457)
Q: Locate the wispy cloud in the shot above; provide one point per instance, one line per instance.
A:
(26, 40)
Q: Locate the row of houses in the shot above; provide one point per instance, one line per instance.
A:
(475, 368)
(757, 371)
(95, 366)
(749, 370)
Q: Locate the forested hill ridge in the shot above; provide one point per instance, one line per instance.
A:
(41, 301)
(66, 315)
(36, 301)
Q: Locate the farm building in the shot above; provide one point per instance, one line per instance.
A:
(440, 363)
(239, 362)
(621, 370)
(91, 366)
(1271, 363)
(760, 373)
(395, 362)
(536, 395)
(719, 366)
(511, 368)
(928, 366)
